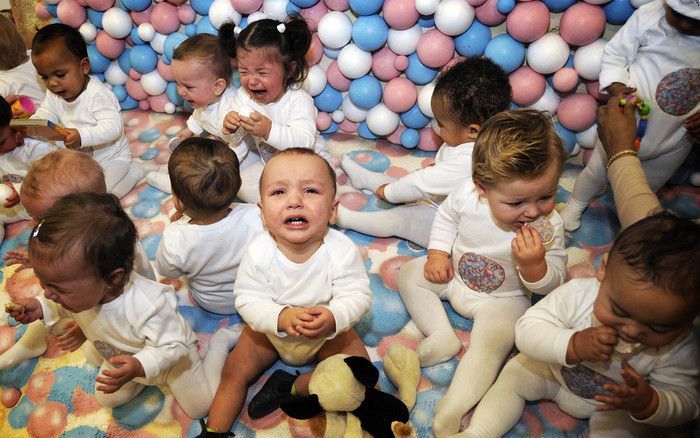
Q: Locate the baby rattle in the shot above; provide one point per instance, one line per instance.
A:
(643, 109)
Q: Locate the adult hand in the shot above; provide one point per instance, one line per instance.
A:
(617, 127)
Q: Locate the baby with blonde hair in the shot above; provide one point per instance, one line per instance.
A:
(18, 77)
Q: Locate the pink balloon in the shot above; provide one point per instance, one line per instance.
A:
(135, 90)
(83, 3)
(186, 14)
(165, 71)
(246, 7)
(177, 2)
(451, 62)
(348, 126)
(528, 21)
(488, 13)
(577, 112)
(158, 102)
(593, 88)
(395, 137)
(565, 79)
(100, 5)
(164, 18)
(401, 63)
(108, 46)
(582, 24)
(323, 121)
(133, 74)
(400, 14)
(71, 13)
(435, 48)
(144, 105)
(337, 5)
(527, 86)
(476, 3)
(336, 78)
(314, 14)
(429, 140)
(315, 53)
(384, 64)
(41, 11)
(400, 95)
(142, 17)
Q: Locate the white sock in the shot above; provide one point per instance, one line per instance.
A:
(220, 344)
(361, 178)
(160, 180)
(571, 214)
(30, 345)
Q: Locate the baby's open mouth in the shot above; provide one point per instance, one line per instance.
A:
(295, 220)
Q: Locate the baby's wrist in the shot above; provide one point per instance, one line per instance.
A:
(437, 254)
(572, 356)
(650, 408)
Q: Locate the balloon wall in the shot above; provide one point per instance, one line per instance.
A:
(373, 62)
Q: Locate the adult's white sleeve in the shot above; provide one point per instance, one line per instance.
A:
(351, 293)
(108, 123)
(438, 179)
(556, 258)
(446, 223)
(299, 129)
(254, 299)
(620, 52)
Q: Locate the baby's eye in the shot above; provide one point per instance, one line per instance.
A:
(660, 330)
(277, 192)
(515, 204)
(546, 198)
(311, 190)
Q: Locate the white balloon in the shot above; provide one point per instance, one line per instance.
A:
(587, 59)
(381, 120)
(146, 32)
(427, 7)
(338, 116)
(424, 97)
(575, 151)
(255, 16)
(404, 42)
(352, 113)
(116, 22)
(153, 84)
(638, 3)
(548, 102)
(88, 31)
(586, 139)
(275, 9)
(453, 17)
(114, 74)
(335, 29)
(354, 62)
(158, 42)
(169, 108)
(548, 54)
(222, 11)
(315, 80)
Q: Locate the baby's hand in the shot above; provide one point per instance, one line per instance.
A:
(291, 320)
(128, 367)
(257, 124)
(635, 396)
(18, 256)
(13, 198)
(231, 123)
(438, 269)
(72, 138)
(73, 338)
(528, 252)
(321, 326)
(692, 125)
(594, 344)
(25, 310)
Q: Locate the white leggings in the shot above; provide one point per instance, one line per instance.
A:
(524, 379)
(121, 176)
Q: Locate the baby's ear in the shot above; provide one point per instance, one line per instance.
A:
(600, 273)
(116, 277)
(334, 212)
(85, 66)
(473, 131)
(220, 86)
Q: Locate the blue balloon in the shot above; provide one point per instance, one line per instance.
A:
(570, 61)
(292, 9)
(417, 72)
(474, 40)
(414, 118)
(410, 138)
(98, 63)
(53, 9)
(304, 3)
(128, 103)
(173, 96)
(568, 137)
(331, 53)
(171, 42)
(558, 5)
(55, 21)
(186, 105)
(120, 4)
(123, 60)
(134, 34)
(331, 129)
(505, 6)
(143, 58)
(100, 76)
(329, 100)
(370, 32)
(364, 132)
(366, 7)
(426, 21)
(505, 51)
(243, 23)
(191, 29)
(201, 6)
(137, 5)
(204, 26)
(120, 92)
(95, 17)
(618, 11)
(365, 92)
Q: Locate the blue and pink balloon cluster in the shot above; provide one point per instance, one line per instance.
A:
(373, 62)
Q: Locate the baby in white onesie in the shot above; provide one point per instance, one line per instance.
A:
(18, 76)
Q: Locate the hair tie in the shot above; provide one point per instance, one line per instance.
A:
(36, 229)
(281, 28)
(237, 30)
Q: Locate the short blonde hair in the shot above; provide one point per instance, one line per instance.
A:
(516, 144)
(209, 51)
(63, 172)
(13, 52)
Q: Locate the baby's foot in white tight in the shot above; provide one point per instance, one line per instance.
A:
(361, 178)
(32, 344)
(226, 338)
(148, 167)
(447, 419)
(159, 180)
(571, 214)
(438, 347)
